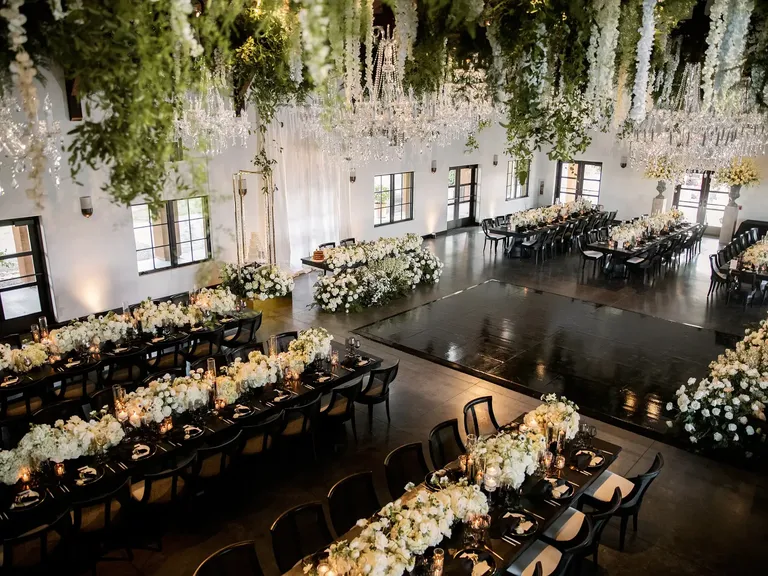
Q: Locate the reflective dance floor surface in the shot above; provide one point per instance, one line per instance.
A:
(619, 366)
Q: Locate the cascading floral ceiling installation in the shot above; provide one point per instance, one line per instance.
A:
(680, 79)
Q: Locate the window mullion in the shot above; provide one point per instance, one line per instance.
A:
(171, 233)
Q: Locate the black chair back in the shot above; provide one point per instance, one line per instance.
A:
(284, 339)
(100, 510)
(237, 559)
(445, 443)
(168, 357)
(380, 379)
(58, 411)
(327, 245)
(220, 359)
(13, 340)
(302, 418)
(243, 351)
(479, 418)
(351, 499)
(214, 460)
(205, 343)
(258, 438)
(245, 333)
(125, 369)
(102, 399)
(165, 486)
(642, 482)
(173, 372)
(403, 465)
(602, 515)
(299, 532)
(347, 242)
(342, 403)
(500, 221)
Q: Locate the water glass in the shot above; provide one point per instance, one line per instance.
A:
(43, 323)
(211, 367)
(272, 346)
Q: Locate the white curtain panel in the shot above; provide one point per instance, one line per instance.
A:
(312, 198)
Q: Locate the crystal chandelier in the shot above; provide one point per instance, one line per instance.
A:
(686, 135)
(377, 121)
(16, 142)
(207, 121)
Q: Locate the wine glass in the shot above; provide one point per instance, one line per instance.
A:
(357, 345)
(592, 433)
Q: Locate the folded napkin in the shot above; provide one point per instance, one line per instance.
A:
(280, 397)
(73, 363)
(543, 489)
(158, 339)
(87, 475)
(242, 410)
(323, 378)
(581, 460)
(362, 362)
(560, 491)
(590, 458)
(190, 431)
(9, 380)
(25, 498)
(196, 328)
(140, 451)
(226, 319)
(121, 349)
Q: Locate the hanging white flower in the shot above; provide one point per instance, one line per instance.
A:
(643, 60)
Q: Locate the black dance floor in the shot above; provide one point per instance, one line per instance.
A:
(621, 367)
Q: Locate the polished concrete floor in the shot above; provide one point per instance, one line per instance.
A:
(699, 518)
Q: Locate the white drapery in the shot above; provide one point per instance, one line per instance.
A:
(312, 196)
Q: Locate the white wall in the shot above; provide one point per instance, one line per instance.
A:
(431, 190)
(92, 262)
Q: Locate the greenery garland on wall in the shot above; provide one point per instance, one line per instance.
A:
(133, 63)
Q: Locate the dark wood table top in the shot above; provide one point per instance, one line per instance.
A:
(61, 493)
(505, 553)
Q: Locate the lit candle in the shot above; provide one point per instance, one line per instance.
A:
(24, 475)
(322, 568)
(58, 468)
(438, 560)
(122, 416)
(220, 403)
(334, 358)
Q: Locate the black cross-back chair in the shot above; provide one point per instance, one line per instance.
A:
(376, 390)
(125, 370)
(351, 499)
(445, 444)
(238, 559)
(59, 411)
(347, 242)
(474, 424)
(205, 343)
(257, 439)
(487, 224)
(403, 465)
(102, 399)
(284, 339)
(168, 357)
(301, 421)
(587, 255)
(717, 279)
(341, 407)
(543, 548)
(298, 532)
(327, 245)
(243, 352)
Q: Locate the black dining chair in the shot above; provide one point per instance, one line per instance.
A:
(327, 245)
(204, 343)
(172, 372)
(587, 255)
(12, 340)
(167, 358)
(445, 444)
(214, 462)
(479, 418)
(301, 422)
(220, 359)
(632, 492)
(341, 406)
(20, 401)
(642, 264)
(500, 221)
(494, 239)
(125, 369)
(237, 559)
(534, 245)
(543, 559)
(716, 279)
(376, 389)
(245, 333)
(62, 410)
(102, 399)
(78, 382)
(41, 550)
(403, 465)
(351, 499)
(243, 352)
(298, 532)
(257, 439)
(347, 242)
(284, 339)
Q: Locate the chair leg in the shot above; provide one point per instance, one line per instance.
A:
(370, 417)
(623, 532)
(634, 521)
(387, 404)
(354, 425)
(594, 554)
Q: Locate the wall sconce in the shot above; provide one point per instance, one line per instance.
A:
(86, 206)
(352, 175)
(242, 185)
(495, 159)
(434, 166)
(623, 162)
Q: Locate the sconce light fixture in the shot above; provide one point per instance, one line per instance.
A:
(86, 206)
(242, 185)
(623, 162)
(495, 159)
(434, 166)
(352, 175)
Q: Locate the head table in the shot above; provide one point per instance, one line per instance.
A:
(504, 552)
(61, 492)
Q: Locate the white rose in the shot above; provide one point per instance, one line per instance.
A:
(717, 436)
(750, 430)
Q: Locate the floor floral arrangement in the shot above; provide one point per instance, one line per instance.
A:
(257, 282)
(727, 408)
(374, 273)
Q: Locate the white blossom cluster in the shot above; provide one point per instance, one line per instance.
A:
(110, 328)
(365, 252)
(629, 233)
(215, 300)
(515, 453)
(643, 61)
(548, 214)
(62, 441)
(257, 282)
(402, 530)
(180, 10)
(756, 256)
(166, 396)
(728, 407)
(338, 291)
(24, 359)
(602, 55)
(558, 412)
(153, 316)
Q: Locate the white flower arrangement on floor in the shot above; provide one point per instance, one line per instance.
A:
(515, 453)
(257, 282)
(153, 316)
(24, 359)
(558, 412)
(63, 441)
(402, 530)
(337, 291)
(740, 172)
(366, 252)
(218, 300)
(99, 330)
(727, 408)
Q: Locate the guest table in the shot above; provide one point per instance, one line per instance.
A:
(503, 552)
(514, 234)
(60, 492)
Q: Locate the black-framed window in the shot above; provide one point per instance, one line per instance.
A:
(24, 294)
(578, 179)
(175, 235)
(514, 188)
(392, 198)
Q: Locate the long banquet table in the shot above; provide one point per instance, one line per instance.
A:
(61, 493)
(505, 553)
(514, 234)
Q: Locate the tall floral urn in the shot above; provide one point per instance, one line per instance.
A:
(734, 195)
(660, 202)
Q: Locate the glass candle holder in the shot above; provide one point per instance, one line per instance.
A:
(546, 460)
(59, 469)
(560, 464)
(43, 323)
(210, 365)
(272, 346)
(438, 561)
(25, 475)
(35, 330)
